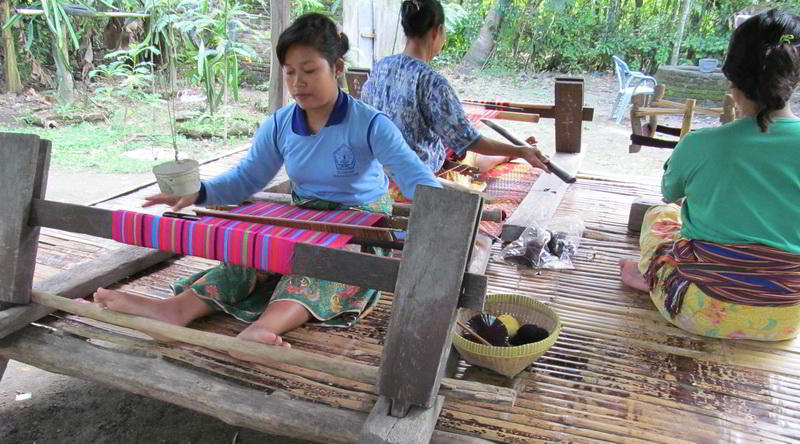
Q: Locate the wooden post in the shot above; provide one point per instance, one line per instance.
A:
(728, 109)
(13, 83)
(24, 161)
(657, 97)
(278, 93)
(428, 286)
(569, 114)
(636, 121)
(688, 114)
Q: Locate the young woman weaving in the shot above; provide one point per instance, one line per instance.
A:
(335, 149)
(727, 263)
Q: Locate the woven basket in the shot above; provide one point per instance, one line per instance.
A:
(509, 361)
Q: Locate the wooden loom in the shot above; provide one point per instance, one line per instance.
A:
(569, 113)
(428, 286)
(644, 134)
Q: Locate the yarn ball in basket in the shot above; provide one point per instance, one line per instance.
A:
(489, 328)
(528, 334)
(511, 323)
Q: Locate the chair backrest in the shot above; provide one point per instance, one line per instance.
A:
(622, 70)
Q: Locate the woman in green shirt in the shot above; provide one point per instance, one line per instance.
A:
(727, 262)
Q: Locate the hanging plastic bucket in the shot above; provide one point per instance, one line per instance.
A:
(179, 178)
(707, 65)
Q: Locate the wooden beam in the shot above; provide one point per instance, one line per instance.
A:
(175, 383)
(24, 161)
(398, 209)
(426, 296)
(544, 111)
(214, 341)
(279, 20)
(416, 427)
(543, 198)
(81, 281)
(568, 113)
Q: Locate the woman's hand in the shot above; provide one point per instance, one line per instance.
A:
(176, 202)
(535, 157)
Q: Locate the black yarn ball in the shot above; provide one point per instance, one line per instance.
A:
(489, 328)
(528, 334)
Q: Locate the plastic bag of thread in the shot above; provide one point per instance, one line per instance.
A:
(546, 244)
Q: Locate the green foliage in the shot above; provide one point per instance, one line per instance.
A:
(582, 35)
(127, 75)
(211, 43)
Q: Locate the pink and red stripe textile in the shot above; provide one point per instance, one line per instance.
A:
(476, 112)
(266, 247)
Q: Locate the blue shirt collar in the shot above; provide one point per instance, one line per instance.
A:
(300, 118)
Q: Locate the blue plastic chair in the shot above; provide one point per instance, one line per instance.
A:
(631, 83)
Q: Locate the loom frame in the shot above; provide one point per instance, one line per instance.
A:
(401, 415)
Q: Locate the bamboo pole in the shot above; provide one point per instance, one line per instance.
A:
(34, 12)
(337, 367)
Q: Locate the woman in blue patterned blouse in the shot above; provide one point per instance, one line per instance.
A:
(422, 103)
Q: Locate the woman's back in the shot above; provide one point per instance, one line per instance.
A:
(422, 104)
(742, 185)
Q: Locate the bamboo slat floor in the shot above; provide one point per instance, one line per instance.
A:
(618, 373)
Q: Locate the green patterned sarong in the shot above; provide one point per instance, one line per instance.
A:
(245, 292)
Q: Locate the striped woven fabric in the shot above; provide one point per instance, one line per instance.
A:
(748, 274)
(266, 247)
(476, 113)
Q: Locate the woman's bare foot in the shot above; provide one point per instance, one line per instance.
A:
(629, 271)
(135, 305)
(256, 333)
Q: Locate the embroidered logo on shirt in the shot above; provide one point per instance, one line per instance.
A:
(345, 161)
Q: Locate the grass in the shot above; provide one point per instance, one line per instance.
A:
(100, 146)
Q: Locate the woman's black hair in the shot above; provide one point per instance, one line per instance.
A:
(317, 31)
(764, 60)
(419, 16)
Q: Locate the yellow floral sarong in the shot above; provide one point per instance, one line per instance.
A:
(700, 313)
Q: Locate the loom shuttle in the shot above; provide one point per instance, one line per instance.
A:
(554, 168)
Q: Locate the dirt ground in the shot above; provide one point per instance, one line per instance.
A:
(42, 407)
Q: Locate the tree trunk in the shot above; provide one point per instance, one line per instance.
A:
(65, 89)
(482, 47)
(613, 16)
(278, 94)
(637, 14)
(686, 6)
(13, 83)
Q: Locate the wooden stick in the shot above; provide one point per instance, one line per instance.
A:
(701, 110)
(555, 169)
(469, 330)
(369, 233)
(336, 367)
(687, 117)
(650, 111)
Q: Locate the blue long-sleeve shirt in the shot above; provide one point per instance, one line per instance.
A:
(344, 162)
